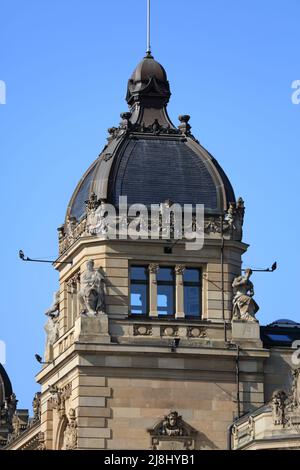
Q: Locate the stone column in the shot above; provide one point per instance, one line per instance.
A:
(63, 314)
(179, 270)
(153, 270)
(73, 286)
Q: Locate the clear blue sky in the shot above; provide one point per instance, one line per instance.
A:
(66, 64)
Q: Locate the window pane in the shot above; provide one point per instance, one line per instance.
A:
(165, 300)
(282, 338)
(191, 275)
(165, 274)
(192, 306)
(138, 273)
(138, 299)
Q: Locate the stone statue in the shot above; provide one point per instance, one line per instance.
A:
(36, 405)
(11, 405)
(172, 425)
(244, 306)
(286, 406)
(16, 425)
(231, 214)
(92, 291)
(97, 222)
(70, 434)
(235, 218)
(279, 400)
(51, 329)
(52, 325)
(53, 311)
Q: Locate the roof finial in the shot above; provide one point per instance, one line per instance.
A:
(148, 52)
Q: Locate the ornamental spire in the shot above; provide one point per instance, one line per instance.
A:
(148, 51)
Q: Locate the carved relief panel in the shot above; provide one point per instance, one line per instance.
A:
(173, 433)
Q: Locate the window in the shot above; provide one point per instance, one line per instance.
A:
(280, 338)
(138, 290)
(166, 291)
(192, 292)
(161, 299)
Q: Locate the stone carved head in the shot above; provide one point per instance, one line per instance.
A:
(90, 264)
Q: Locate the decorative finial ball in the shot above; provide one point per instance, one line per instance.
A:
(184, 118)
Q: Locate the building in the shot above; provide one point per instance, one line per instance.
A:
(151, 345)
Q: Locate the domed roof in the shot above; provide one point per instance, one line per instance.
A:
(148, 159)
(149, 68)
(148, 84)
(284, 322)
(151, 171)
(5, 385)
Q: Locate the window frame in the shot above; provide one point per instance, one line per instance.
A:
(173, 284)
(199, 285)
(139, 282)
(167, 283)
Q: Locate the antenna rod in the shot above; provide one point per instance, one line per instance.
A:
(148, 27)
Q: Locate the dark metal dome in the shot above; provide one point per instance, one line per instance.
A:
(148, 159)
(283, 322)
(148, 84)
(151, 171)
(149, 68)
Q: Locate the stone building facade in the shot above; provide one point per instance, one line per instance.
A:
(151, 345)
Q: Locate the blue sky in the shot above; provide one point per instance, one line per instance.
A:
(66, 64)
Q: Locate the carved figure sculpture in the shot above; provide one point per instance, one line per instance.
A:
(244, 306)
(92, 291)
(279, 400)
(172, 425)
(36, 405)
(52, 325)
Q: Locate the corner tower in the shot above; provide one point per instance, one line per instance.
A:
(140, 336)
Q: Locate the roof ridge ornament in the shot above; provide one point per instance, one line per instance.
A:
(148, 51)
